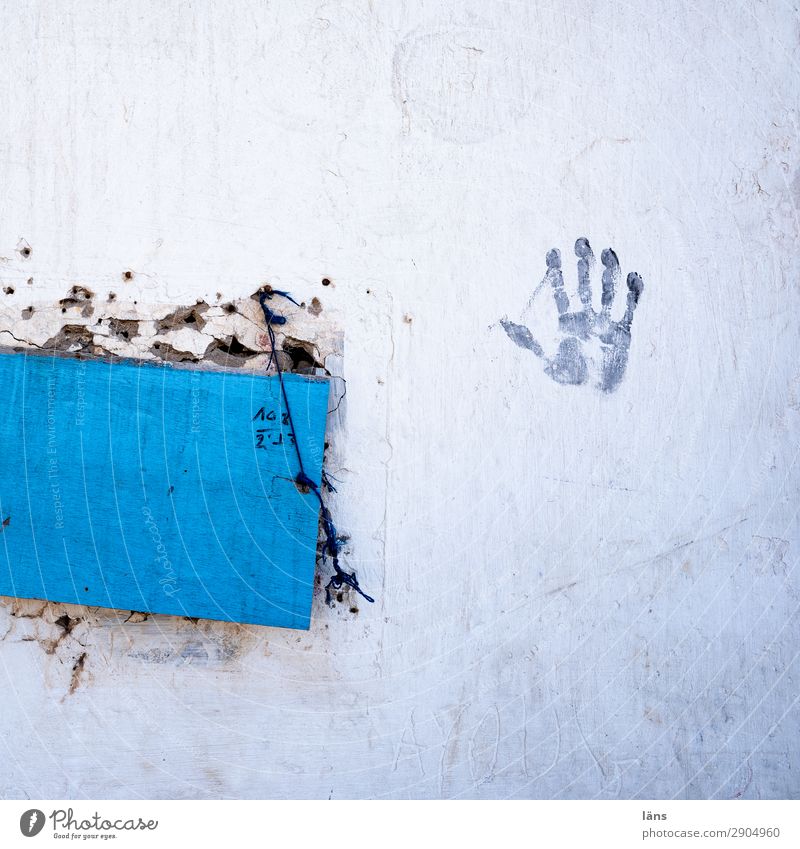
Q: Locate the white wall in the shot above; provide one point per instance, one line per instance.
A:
(579, 594)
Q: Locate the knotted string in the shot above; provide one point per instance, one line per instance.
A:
(333, 542)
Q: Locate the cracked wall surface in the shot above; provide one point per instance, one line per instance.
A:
(578, 593)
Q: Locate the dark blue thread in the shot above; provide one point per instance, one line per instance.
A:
(326, 482)
(333, 542)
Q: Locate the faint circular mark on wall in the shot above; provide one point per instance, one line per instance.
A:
(463, 85)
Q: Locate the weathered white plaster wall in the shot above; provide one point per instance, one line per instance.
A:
(579, 594)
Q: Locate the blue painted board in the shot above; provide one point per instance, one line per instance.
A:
(159, 489)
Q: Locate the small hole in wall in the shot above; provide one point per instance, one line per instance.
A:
(26, 251)
(326, 281)
(9, 290)
(303, 354)
(235, 348)
(230, 308)
(122, 328)
(192, 316)
(127, 275)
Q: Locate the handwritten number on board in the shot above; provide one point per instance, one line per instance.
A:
(263, 433)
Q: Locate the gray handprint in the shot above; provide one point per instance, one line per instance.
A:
(590, 341)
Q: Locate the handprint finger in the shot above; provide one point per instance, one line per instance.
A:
(635, 289)
(610, 278)
(583, 251)
(556, 280)
(521, 336)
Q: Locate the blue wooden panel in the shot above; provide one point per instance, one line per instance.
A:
(159, 489)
